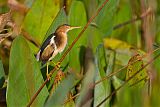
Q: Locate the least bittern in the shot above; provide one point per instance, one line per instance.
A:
(54, 44)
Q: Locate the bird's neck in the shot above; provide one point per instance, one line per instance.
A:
(61, 40)
(61, 34)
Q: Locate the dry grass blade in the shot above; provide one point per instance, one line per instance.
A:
(59, 76)
(4, 19)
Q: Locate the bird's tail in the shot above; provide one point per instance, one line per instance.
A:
(38, 57)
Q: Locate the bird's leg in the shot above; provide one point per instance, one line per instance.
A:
(48, 76)
(47, 73)
(58, 65)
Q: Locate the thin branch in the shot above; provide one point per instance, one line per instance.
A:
(133, 20)
(151, 61)
(67, 51)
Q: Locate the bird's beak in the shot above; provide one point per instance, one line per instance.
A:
(74, 27)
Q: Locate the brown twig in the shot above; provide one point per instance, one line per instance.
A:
(148, 35)
(132, 20)
(71, 98)
(151, 61)
(67, 51)
(17, 6)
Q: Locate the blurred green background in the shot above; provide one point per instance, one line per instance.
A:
(101, 66)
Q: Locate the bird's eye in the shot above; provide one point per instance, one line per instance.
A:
(66, 24)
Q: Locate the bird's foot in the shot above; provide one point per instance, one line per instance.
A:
(58, 65)
(48, 77)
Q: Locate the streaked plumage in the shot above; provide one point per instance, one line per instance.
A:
(54, 44)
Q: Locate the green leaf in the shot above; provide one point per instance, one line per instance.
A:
(58, 97)
(116, 82)
(122, 49)
(104, 20)
(129, 97)
(91, 6)
(101, 61)
(2, 74)
(39, 18)
(155, 98)
(129, 32)
(24, 76)
(70, 104)
(134, 65)
(77, 17)
(95, 35)
(60, 19)
(157, 63)
(105, 67)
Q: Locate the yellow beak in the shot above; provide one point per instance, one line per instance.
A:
(74, 27)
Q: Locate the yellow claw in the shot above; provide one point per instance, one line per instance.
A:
(58, 65)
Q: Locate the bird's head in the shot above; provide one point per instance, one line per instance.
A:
(65, 28)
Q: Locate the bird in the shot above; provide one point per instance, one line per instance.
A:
(54, 44)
